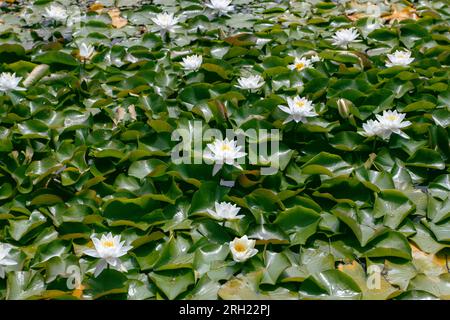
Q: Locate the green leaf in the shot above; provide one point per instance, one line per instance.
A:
(437, 286)
(426, 158)
(327, 163)
(275, 263)
(208, 193)
(389, 244)
(6, 191)
(245, 287)
(173, 282)
(361, 223)
(373, 285)
(11, 52)
(419, 105)
(46, 199)
(109, 282)
(129, 209)
(330, 284)
(223, 73)
(346, 141)
(394, 206)
(24, 285)
(383, 34)
(425, 241)
(57, 58)
(441, 231)
(19, 228)
(195, 93)
(438, 210)
(206, 289)
(262, 202)
(207, 255)
(147, 168)
(299, 222)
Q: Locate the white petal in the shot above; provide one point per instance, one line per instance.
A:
(288, 119)
(112, 261)
(100, 267)
(92, 253)
(285, 109)
(216, 168)
(8, 262)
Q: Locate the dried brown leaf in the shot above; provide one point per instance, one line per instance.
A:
(403, 14)
(117, 21)
(96, 7)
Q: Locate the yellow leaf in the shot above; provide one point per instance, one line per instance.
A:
(429, 264)
(78, 292)
(96, 7)
(372, 290)
(403, 14)
(117, 21)
(50, 294)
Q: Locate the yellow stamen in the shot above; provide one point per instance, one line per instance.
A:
(108, 244)
(392, 117)
(299, 66)
(240, 247)
(225, 147)
(300, 104)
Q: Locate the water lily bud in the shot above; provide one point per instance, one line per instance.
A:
(37, 73)
(120, 115)
(344, 107)
(132, 112)
(15, 154)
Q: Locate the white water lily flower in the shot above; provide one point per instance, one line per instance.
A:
(4, 259)
(371, 128)
(223, 152)
(399, 58)
(345, 36)
(9, 82)
(242, 249)
(298, 109)
(223, 6)
(252, 83)
(109, 249)
(386, 124)
(166, 22)
(225, 210)
(86, 51)
(56, 13)
(315, 58)
(192, 63)
(392, 122)
(300, 64)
